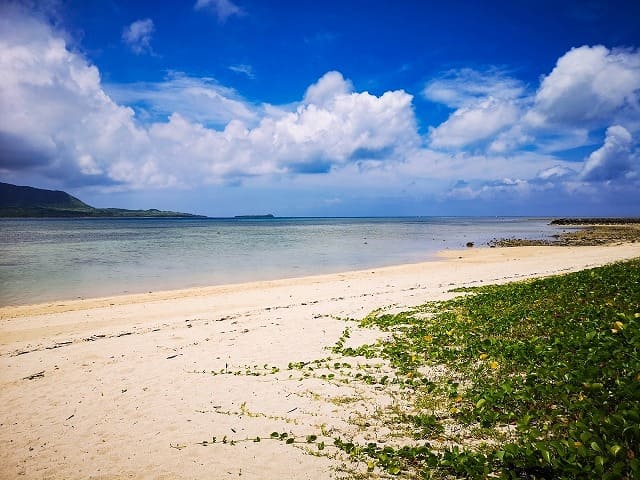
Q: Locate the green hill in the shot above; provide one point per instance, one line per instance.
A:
(18, 201)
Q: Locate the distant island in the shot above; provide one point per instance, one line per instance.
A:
(19, 202)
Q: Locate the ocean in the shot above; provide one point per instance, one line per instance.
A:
(59, 259)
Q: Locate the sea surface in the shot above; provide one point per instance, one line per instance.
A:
(58, 259)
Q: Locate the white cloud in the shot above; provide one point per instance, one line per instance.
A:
(542, 140)
(474, 123)
(327, 89)
(504, 188)
(243, 69)
(202, 100)
(486, 104)
(555, 173)
(458, 88)
(223, 9)
(483, 168)
(613, 169)
(138, 36)
(344, 127)
(614, 159)
(510, 139)
(312, 139)
(54, 107)
(590, 87)
(57, 106)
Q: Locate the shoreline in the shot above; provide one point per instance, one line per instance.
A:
(123, 387)
(578, 235)
(478, 253)
(582, 234)
(64, 304)
(349, 294)
(130, 258)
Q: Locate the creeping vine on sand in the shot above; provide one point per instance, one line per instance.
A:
(535, 379)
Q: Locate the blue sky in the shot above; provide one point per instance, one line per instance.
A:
(334, 108)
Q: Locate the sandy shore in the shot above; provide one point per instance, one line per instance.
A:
(122, 387)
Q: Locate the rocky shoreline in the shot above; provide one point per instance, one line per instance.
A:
(593, 234)
(595, 221)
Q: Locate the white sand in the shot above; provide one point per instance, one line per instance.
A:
(108, 405)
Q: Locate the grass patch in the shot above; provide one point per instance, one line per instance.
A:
(546, 373)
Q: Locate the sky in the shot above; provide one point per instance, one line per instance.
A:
(331, 108)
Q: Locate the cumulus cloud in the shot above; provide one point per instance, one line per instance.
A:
(590, 87)
(138, 36)
(501, 127)
(474, 123)
(327, 89)
(59, 115)
(486, 104)
(53, 106)
(614, 159)
(311, 139)
(341, 127)
(223, 9)
(612, 169)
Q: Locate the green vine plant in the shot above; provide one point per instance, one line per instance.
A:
(530, 380)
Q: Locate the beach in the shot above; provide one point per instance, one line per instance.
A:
(138, 386)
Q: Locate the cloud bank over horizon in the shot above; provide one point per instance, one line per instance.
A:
(503, 138)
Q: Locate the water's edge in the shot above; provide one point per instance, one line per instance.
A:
(51, 259)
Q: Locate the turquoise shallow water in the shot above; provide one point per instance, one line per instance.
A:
(55, 259)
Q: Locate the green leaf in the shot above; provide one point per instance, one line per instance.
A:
(546, 456)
